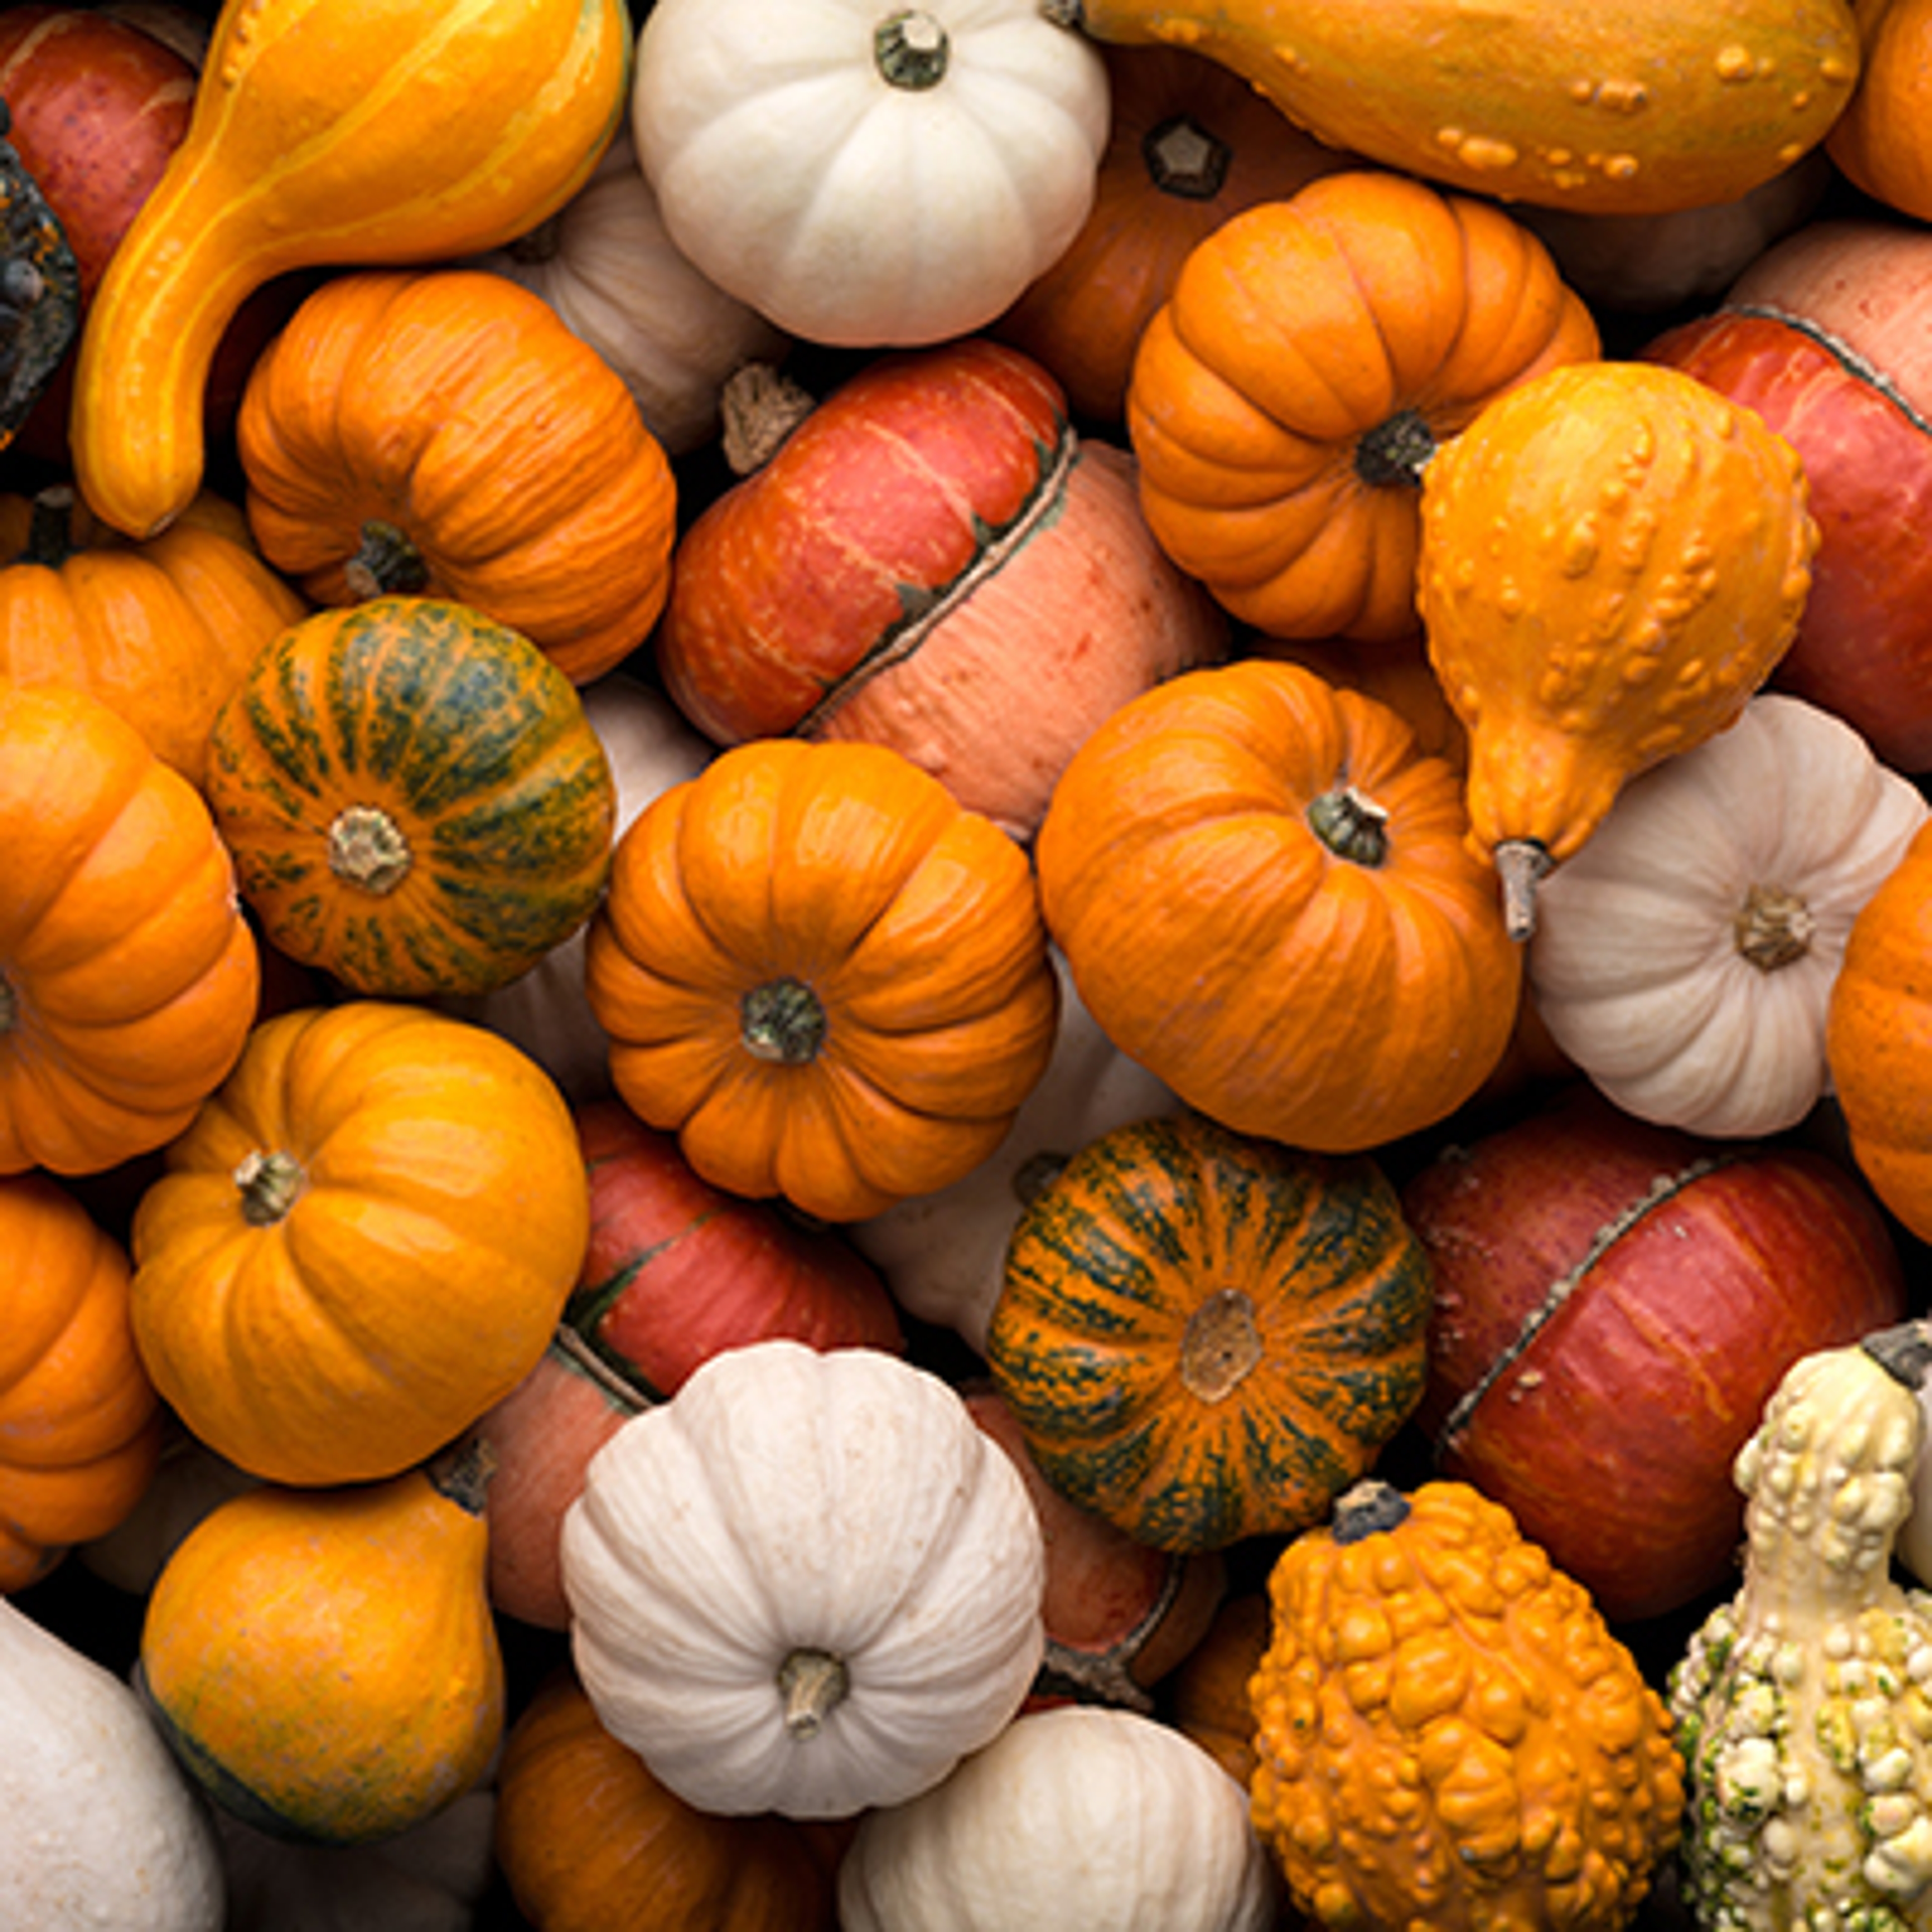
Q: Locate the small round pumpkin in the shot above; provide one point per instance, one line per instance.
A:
(1205, 1337)
(827, 977)
(416, 801)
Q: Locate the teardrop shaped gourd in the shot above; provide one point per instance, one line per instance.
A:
(337, 133)
(1614, 558)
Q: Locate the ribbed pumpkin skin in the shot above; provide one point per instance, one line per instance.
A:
(1205, 1337)
(415, 799)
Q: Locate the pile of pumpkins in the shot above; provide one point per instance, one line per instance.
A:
(965, 968)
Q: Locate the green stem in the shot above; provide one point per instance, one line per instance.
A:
(1351, 825)
(387, 564)
(910, 49)
(270, 1185)
(782, 1021)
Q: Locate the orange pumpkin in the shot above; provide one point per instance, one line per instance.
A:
(1264, 893)
(128, 976)
(80, 1426)
(1286, 398)
(442, 433)
(824, 974)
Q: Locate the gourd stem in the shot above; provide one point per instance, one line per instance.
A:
(758, 407)
(367, 848)
(49, 527)
(1903, 1351)
(1184, 159)
(813, 1684)
(910, 50)
(782, 1021)
(1351, 825)
(1395, 451)
(1366, 1509)
(386, 564)
(1773, 927)
(270, 1183)
(1522, 865)
(462, 1472)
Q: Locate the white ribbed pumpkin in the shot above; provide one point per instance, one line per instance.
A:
(1683, 958)
(809, 1583)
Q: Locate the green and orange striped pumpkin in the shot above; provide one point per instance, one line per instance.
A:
(416, 802)
(1205, 1336)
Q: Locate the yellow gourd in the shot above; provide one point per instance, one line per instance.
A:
(1614, 558)
(328, 132)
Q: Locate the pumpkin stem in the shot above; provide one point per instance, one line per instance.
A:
(1773, 927)
(1521, 864)
(1903, 1351)
(386, 564)
(1351, 825)
(9, 1008)
(1219, 1345)
(782, 1021)
(758, 408)
(1184, 159)
(270, 1185)
(1036, 1175)
(813, 1683)
(910, 49)
(1396, 451)
(462, 1472)
(1366, 1509)
(49, 527)
(367, 848)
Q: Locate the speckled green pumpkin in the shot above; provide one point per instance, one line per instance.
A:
(416, 801)
(1206, 1336)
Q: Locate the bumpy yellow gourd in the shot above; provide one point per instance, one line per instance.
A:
(328, 132)
(1449, 1735)
(1614, 558)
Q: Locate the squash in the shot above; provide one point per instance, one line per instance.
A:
(1614, 558)
(80, 1432)
(588, 1841)
(1649, 107)
(826, 976)
(307, 115)
(353, 1617)
(415, 802)
(1208, 1696)
(1449, 1733)
(128, 976)
(1264, 892)
(442, 432)
(605, 264)
(99, 1824)
(867, 175)
(40, 306)
(1205, 1337)
(1876, 141)
(161, 631)
(1188, 144)
(991, 1849)
(907, 1630)
(1286, 398)
(1684, 959)
(1800, 1711)
(363, 1241)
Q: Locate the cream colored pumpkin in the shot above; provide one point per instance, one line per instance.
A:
(864, 173)
(1683, 958)
(808, 1583)
(1078, 1818)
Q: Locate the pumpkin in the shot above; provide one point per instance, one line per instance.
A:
(128, 976)
(1876, 141)
(1614, 558)
(929, 559)
(354, 1617)
(588, 1841)
(1208, 1698)
(1684, 959)
(442, 433)
(1288, 396)
(826, 976)
(161, 631)
(1449, 1733)
(1205, 1337)
(1796, 1699)
(362, 1242)
(605, 264)
(491, 116)
(907, 1630)
(1188, 144)
(100, 1825)
(990, 1848)
(1264, 893)
(1657, 106)
(80, 1424)
(867, 175)
(415, 802)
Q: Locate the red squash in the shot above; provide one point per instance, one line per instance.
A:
(1614, 1303)
(676, 1272)
(931, 560)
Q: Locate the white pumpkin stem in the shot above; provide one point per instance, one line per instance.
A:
(814, 1684)
(1773, 927)
(910, 50)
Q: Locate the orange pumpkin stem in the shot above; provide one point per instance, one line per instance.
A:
(1185, 160)
(1351, 825)
(386, 564)
(270, 1184)
(49, 528)
(782, 1021)
(1395, 451)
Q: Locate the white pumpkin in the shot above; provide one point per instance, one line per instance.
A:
(865, 174)
(606, 263)
(99, 1825)
(1683, 958)
(944, 1255)
(808, 1583)
(1075, 1819)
